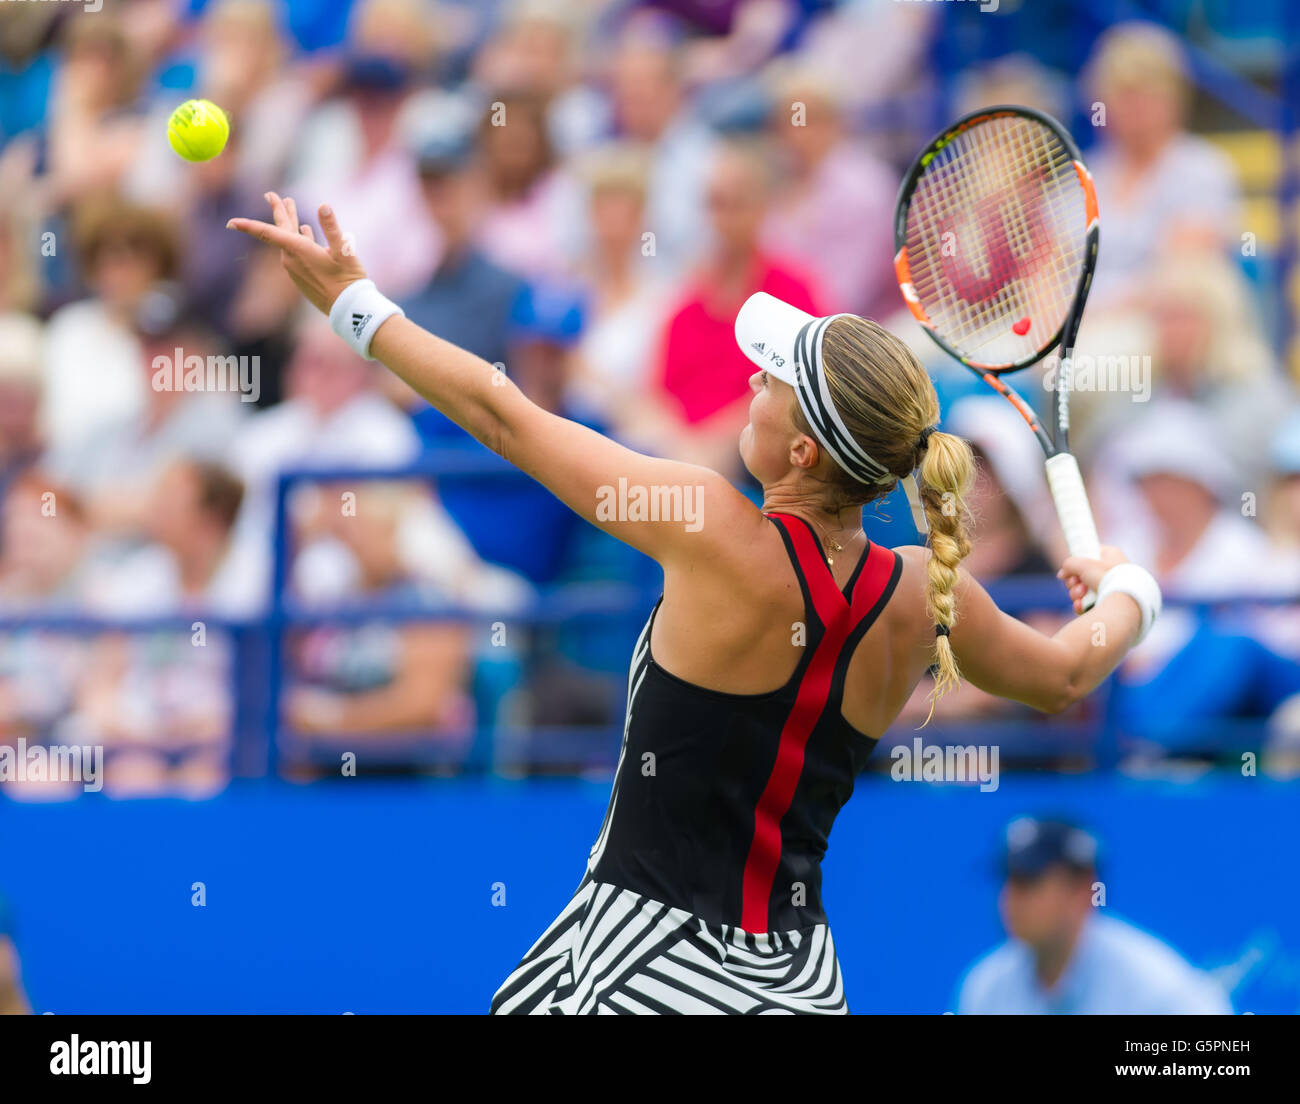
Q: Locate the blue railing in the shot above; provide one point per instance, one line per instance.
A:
(257, 674)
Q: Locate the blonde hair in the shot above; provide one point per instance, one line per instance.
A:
(617, 167)
(1205, 281)
(886, 399)
(1137, 53)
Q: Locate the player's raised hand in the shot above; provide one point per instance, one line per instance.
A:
(320, 271)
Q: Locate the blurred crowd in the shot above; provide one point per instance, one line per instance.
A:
(582, 193)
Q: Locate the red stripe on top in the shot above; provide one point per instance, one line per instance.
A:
(810, 702)
(827, 598)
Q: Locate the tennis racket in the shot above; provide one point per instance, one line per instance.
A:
(996, 236)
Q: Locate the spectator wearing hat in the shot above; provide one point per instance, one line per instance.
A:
(356, 149)
(1016, 528)
(1064, 956)
(1200, 668)
(473, 302)
(1187, 520)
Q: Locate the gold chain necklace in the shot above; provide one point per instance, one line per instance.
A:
(835, 547)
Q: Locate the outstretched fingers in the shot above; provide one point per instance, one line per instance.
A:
(280, 213)
(333, 235)
(263, 231)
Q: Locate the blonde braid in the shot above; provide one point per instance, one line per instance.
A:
(947, 470)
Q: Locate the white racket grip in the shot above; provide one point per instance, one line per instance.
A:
(1072, 507)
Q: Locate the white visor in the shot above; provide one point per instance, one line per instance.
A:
(766, 329)
(786, 342)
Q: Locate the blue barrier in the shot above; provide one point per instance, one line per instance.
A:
(370, 897)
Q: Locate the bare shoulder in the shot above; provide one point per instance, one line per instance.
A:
(719, 523)
(914, 558)
(913, 555)
(908, 603)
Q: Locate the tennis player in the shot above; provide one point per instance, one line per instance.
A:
(783, 645)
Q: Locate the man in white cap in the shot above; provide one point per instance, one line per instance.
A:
(1193, 523)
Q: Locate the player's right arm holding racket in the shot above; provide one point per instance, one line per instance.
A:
(1005, 657)
(996, 232)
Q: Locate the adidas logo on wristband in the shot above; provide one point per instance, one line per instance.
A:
(357, 313)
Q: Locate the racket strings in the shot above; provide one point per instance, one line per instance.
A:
(995, 235)
(1004, 233)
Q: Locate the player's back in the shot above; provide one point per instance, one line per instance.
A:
(723, 802)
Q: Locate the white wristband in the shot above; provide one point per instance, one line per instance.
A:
(358, 312)
(1140, 585)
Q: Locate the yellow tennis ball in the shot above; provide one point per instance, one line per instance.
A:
(198, 130)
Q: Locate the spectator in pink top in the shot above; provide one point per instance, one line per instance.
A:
(533, 206)
(702, 378)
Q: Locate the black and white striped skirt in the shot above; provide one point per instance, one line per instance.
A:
(615, 952)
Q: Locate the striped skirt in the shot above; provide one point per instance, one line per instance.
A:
(614, 952)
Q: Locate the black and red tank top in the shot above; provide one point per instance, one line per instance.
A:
(723, 803)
